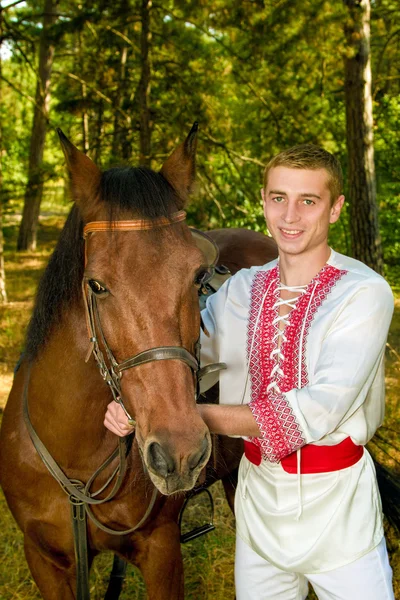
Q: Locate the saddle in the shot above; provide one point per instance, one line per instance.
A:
(220, 273)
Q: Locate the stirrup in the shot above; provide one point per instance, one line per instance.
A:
(202, 529)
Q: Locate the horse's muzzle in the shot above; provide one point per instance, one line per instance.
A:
(171, 471)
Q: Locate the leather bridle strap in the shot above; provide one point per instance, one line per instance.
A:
(111, 370)
(160, 353)
(74, 488)
(133, 225)
(58, 474)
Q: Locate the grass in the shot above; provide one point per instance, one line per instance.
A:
(208, 560)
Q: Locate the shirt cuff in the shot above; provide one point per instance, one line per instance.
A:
(280, 431)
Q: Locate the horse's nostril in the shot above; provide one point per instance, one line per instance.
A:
(159, 460)
(199, 456)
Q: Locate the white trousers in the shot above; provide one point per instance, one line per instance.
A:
(368, 578)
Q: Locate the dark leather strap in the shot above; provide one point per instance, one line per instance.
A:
(67, 485)
(116, 578)
(78, 517)
(210, 369)
(81, 493)
(160, 353)
(124, 531)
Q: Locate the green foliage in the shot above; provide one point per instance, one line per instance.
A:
(258, 76)
(16, 115)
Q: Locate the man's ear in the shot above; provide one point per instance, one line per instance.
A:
(263, 196)
(336, 209)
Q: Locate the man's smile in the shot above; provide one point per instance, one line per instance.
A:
(291, 232)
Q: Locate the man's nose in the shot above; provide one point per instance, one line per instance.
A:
(292, 214)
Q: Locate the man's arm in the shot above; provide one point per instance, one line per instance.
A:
(223, 419)
(228, 419)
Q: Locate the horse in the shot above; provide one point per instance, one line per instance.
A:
(122, 282)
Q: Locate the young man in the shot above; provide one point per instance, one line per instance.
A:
(303, 339)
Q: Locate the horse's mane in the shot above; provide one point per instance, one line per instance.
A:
(139, 190)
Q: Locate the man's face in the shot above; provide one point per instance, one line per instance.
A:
(298, 209)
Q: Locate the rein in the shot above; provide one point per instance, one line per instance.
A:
(80, 496)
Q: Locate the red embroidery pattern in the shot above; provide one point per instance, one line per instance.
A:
(281, 431)
(260, 335)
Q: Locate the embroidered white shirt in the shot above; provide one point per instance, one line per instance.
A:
(329, 386)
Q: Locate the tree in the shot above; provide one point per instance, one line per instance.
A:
(144, 86)
(365, 236)
(3, 293)
(129, 78)
(34, 189)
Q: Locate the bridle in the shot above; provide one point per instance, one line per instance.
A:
(110, 370)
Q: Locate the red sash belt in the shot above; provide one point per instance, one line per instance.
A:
(314, 459)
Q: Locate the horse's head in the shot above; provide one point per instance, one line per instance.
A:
(141, 283)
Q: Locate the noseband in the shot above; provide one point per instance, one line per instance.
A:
(110, 370)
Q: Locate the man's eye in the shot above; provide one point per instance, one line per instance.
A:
(308, 202)
(278, 199)
(96, 287)
(202, 277)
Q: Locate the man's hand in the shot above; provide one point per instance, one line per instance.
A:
(116, 420)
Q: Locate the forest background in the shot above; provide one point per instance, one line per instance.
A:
(126, 80)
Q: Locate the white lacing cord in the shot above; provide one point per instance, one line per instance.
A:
(280, 333)
(299, 498)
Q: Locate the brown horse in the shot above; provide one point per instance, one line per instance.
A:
(140, 284)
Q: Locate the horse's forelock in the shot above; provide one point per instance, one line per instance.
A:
(137, 191)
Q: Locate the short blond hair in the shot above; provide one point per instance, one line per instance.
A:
(309, 156)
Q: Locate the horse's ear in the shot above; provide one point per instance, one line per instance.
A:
(179, 169)
(85, 176)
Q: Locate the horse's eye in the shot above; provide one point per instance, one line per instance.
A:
(96, 287)
(202, 277)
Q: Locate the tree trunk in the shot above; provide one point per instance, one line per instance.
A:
(98, 121)
(144, 87)
(119, 127)
(85, 116)
(98, 133)
(3, 293)
(34, 189)
(364, 228)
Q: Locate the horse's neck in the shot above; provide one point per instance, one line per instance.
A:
(67, 397)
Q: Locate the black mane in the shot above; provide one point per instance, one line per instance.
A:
(141, 191)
